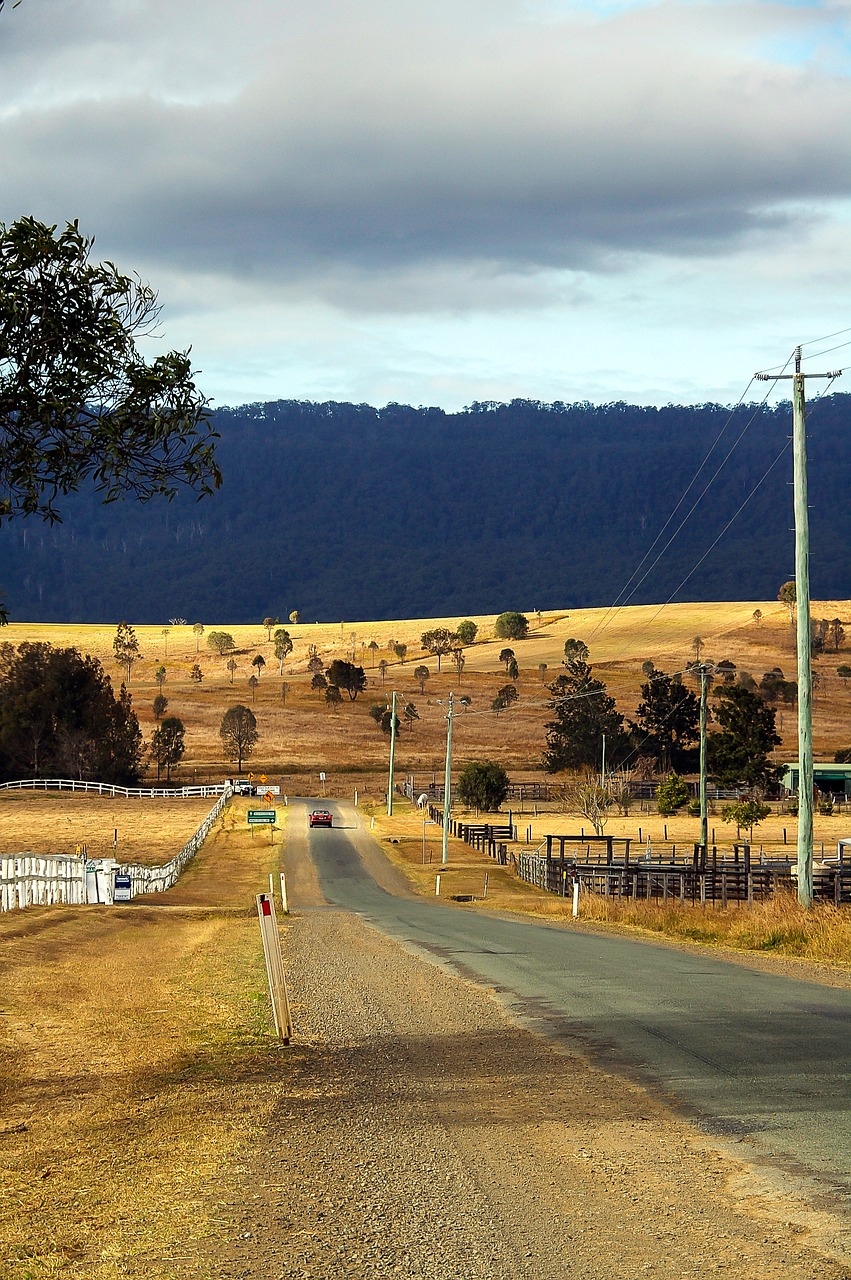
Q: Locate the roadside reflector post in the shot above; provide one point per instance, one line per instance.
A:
(285, 906)
(575, 898)
(437, 887)
(485, 894)
(274, 966)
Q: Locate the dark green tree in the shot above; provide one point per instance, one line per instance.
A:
(345, 675)
(673, 793)
(160, 706)
(467, 631)
(511, 626)
(667, 722)
(740, 752)
(483, 784)
(583, 713)
(284, 647)
(238, 732)
(421, 674)
(77, 401)
(58, 713)
(168, 746)
(579, 649)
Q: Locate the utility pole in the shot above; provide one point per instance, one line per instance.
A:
(703, 669)
(447, 784)
(392, 756)
(802, 595)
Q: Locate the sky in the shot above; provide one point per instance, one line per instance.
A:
(437, 203)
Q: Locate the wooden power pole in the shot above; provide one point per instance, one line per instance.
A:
(804, 638)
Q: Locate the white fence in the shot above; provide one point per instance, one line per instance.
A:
(27, 880)
(110, 789)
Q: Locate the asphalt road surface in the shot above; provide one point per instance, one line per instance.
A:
(750, 1056)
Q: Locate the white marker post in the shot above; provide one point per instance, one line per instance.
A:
(274, 966)
(575, 899)
(285, 906)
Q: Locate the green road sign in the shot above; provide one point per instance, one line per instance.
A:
(263, 815)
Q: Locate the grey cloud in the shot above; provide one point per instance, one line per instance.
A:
(375, 153)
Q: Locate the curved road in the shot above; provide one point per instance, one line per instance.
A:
(748, 1054)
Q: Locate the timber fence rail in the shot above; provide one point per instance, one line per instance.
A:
(112, 789)
(28, 880)
(158, 879)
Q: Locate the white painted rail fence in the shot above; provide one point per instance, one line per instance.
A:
(28, 880)
(111, 789)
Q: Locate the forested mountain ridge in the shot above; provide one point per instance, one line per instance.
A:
(346, 511)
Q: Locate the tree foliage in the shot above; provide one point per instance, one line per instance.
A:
(740, 752)
(221, 642)
(467, 631)
(575, 649)
(168, 745)
(673, 793)
(667, 722)
(583, 713)
(421, 674)
(125, 646)
(511, 626)
(60, 716)
(345, 675)
(77, 401)
(438, 641)
(746, 814)
(483, 784)
(238, 732)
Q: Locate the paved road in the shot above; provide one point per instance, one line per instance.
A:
(747, 1054)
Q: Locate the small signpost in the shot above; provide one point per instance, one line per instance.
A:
(123, 889)
(274, 966)
(261, 816)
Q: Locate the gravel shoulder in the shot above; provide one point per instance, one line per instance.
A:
(417, 1132)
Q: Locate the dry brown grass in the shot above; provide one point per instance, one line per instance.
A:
(301, 738)
(149, 831)
(137, 1061)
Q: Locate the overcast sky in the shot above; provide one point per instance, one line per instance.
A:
(436, 203)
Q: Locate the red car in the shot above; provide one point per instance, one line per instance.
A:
(320, 818)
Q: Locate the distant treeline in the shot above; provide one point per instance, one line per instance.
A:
(344, 511)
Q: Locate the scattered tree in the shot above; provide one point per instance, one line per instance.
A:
(697, 647)
(467, 631)
(231, 666)
(159, 706)
(77, 401)
(483, 784)
(410, 714)
(400, 651)
(382, 670)
(836, 633)
(667, 722)
(295, 617)
(238, 732)
(757, 616)
(159, 676)
(345, 675)
(575, 650)
(788, 595)
(284, 647)
(726, 670)
(196, 673)
(421, 674)
(165, 635)
(252, 684)
(459, 660)
(125, 646)
(746, 814)
(268, 624)
(590, 798)
(844, 672)
(438, 642)
(741, 751)
(505, 697)
(584, 712)
(258, 662)
(512, 670)
(315, 664)
(506, 656)
(319, 682)
(333, 698)
(198, 629)
(373, 649)
(221, 642)
(511, 626)
(673, 793)
(168, 746)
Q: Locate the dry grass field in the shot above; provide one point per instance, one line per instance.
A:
(300, 737)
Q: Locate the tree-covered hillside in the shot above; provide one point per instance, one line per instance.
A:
(344, 511)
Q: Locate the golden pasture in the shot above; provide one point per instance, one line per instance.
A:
(300, 737)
